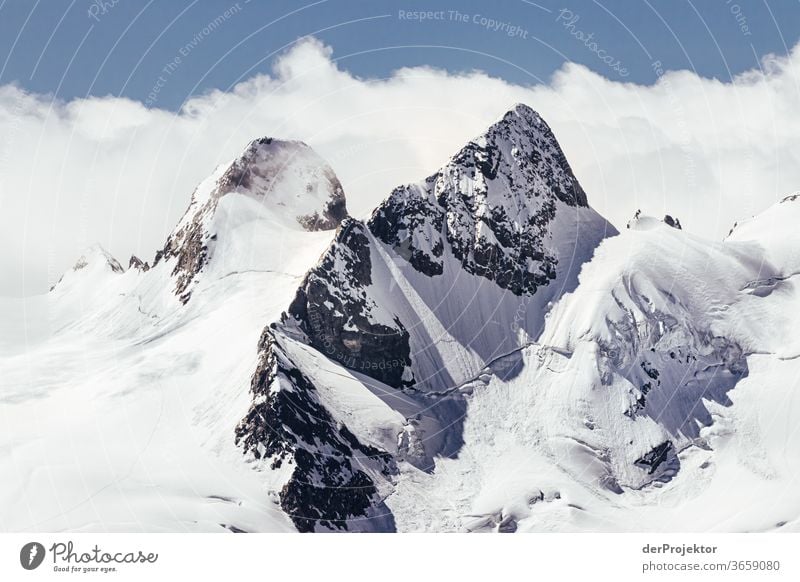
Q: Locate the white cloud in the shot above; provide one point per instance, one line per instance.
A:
(110, 170)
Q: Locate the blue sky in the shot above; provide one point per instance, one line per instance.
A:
(120, 47)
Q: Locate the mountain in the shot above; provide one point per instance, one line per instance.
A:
(500, 231)
(447, 276)
(93, 265)
(485, 352)
(774, 232)
(143, 373)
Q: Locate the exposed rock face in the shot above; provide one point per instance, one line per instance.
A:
(658, 457)
(338, 316)
(636, 216)
(189, 247)
(333, 476)
(137, 263)
(287, 178)
(491, 205)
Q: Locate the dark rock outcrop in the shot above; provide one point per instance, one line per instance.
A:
(137, 263)
(333, 476)
(492, 205)
(333, 309)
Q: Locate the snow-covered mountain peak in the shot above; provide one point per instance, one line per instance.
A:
(517, 123)
(498, 203)
(94, 264)
(97, 256)
(640, 222)
(290, 179)
(281, 185)
(774, 230)
(136, 263)
(520, 157)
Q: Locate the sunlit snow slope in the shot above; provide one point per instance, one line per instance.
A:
(662, 395)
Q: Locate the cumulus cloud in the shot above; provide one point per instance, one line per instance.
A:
(110, 170)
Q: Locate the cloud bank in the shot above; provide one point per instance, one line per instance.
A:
(112, 171)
